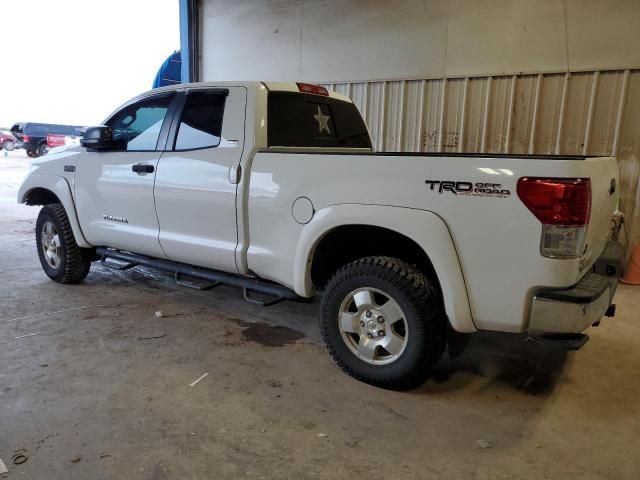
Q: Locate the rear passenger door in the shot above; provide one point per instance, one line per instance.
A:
(195, 190)
(114, 188)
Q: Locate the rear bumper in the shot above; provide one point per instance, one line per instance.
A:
(575, 309)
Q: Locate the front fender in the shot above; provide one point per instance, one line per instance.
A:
(60, 187)
(426, 228)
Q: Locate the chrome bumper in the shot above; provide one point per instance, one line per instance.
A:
(575, 309)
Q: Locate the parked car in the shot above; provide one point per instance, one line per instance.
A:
(7, 141)
(275, 188)
(33, 136)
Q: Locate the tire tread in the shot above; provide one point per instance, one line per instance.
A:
(76, 264)
(425, 301)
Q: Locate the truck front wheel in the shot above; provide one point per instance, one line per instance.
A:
(383, 322)
(60, 256)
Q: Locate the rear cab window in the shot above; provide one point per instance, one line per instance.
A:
(314, 121)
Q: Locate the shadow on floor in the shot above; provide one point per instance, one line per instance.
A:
(502, 358)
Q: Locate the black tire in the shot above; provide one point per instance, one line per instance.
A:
(31, 153)
(9, 145)
(73, 262)
(43, 149)
(425, 322)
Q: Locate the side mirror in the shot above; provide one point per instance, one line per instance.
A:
(97, 138)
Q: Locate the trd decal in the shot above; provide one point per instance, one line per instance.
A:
(478, 189)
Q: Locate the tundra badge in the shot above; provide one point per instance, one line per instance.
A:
(115, 219)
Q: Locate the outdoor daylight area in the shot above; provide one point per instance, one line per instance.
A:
(320, 239)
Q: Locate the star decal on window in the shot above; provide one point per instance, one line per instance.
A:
(323, 121)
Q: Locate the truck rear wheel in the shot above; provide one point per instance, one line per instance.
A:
(60, 256)
(383, 322)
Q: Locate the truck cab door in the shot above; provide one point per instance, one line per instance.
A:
(195, 190)
(114, 188)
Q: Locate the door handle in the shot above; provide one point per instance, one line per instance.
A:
(142, 168)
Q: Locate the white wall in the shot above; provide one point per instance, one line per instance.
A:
(341, 40)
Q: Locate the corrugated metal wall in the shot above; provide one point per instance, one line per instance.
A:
(592, 113)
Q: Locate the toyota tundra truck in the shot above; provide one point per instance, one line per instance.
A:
(274, 188)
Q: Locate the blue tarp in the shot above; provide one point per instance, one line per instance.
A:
(170, 72)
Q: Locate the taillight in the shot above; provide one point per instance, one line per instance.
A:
(55, 140)
(25, 138)
(315, 89)
(563, 206)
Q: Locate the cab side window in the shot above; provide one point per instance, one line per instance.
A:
(137, 127)
(201, 121)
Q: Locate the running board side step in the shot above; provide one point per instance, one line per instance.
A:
(195, 286)
(276, 292)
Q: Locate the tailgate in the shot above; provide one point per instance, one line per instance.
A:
(605, 190)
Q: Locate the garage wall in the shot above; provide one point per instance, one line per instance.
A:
(341, 40)
(512, 76)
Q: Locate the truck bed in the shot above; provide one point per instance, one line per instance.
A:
(496, 237)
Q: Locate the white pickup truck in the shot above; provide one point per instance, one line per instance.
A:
(274, 187)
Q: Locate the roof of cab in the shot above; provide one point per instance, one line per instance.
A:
(293, 87)
(270, 86)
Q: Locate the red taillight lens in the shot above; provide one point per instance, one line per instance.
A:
(315, 89)
(55, 140)
(557, 201)
(25, 138)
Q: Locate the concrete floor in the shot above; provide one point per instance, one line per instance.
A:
(103, 392)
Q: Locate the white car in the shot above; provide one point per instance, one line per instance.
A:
(274, 187)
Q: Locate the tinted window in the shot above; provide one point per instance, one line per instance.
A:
(201, 121)
(306, 120)
(137, 127)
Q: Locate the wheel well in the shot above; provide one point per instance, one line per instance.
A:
(351, 242)
(40, 196)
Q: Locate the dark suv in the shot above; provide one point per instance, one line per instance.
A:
(33, 136)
